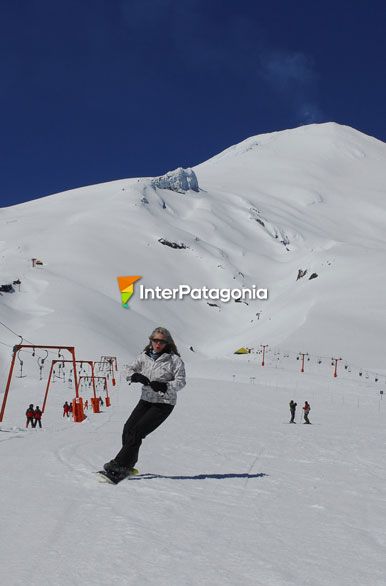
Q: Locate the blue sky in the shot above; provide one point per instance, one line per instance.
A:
(97, 90)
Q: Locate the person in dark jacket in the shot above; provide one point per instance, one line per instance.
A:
(161, 372)
(66, 409)
(37, 417)
(30, 416)
(292, 406)
(306, 410)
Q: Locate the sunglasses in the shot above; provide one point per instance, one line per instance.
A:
(158, 341)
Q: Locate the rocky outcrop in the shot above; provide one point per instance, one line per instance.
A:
(180, 180)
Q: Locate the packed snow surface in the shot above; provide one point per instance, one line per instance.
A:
(229, 492)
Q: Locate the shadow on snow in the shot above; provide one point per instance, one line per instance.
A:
(198, 476)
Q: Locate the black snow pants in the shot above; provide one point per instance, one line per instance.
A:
(144, 419)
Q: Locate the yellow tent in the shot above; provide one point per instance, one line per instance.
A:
(242, 350)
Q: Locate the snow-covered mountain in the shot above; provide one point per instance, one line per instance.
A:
(229, 495)
(309, 199)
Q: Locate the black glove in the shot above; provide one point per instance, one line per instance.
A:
(158, 387)
(137, 377)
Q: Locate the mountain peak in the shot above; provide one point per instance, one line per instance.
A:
(319, 139)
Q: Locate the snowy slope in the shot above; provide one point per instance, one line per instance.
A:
(234, 496)
(318, 189)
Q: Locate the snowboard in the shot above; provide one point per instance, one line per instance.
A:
(114, 478)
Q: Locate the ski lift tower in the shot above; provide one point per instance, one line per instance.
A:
(77, 402)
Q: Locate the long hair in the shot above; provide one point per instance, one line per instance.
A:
(170, 346)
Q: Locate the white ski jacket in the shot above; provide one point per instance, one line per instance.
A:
(168, 368)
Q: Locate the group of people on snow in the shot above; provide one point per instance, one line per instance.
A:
(67, 409)
(34, 416)
(306, 411)
(161, 372)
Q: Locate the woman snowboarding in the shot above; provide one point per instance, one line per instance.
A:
(161, 372)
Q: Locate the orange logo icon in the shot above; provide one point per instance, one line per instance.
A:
(126, 287)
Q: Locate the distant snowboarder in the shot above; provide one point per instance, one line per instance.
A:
(306, 409)
(66, 410)
(30, 416)
(292, 406)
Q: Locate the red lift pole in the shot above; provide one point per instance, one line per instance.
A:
(16, 349)
(8, 385)
(110, 365)
(302, 354)
(94, 399)
(264, 346)
(107, 399)
(335, 360)
(112, 361)
(61, 361)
